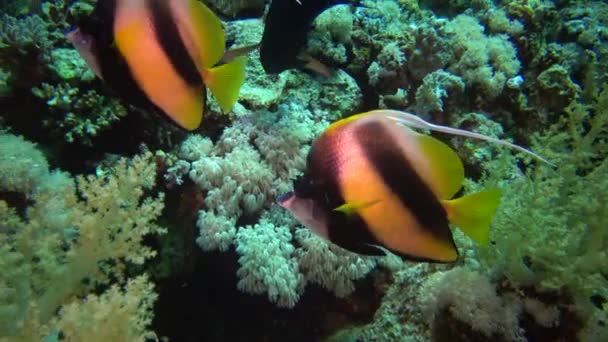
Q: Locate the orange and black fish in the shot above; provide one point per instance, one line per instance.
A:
(371, 184)
(161, 54)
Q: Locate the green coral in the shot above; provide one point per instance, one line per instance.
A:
(22, 165)
(23, 35)
(76, 236)
(60, 12)
(25, 48)
(16, 7)
(80, 115)
(5, 82)
(550, 233)
(67, 65)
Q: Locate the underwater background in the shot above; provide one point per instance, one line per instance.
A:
(117, 225)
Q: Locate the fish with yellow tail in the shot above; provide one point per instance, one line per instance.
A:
(372, 183)
(160, 54)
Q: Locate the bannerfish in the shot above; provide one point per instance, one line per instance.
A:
(160, 54)
(285, 34)
(372, 185)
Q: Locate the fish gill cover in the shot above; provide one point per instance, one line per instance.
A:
(115, 224)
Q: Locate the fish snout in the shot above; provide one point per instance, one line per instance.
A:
(284, 198)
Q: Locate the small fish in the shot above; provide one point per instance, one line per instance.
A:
(161, 54)
(285, 33)
(372, 184)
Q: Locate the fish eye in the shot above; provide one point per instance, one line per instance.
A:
(303, 187)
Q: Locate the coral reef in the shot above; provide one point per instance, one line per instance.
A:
(80, 252)
(77, 235)
(78, 116)
(232, 8)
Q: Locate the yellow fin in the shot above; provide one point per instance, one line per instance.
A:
(208, 33)
(446, 167)
(345, 121)
(353, 207)
(225, 81)
(473, 213)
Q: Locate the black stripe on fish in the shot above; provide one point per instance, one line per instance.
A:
(167, 34)
(399, 175)
(114, 68)
(347, 231)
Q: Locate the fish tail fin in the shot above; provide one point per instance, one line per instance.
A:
(473, 213)
(225, 81)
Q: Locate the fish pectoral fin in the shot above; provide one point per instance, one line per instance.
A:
(315, 65)
(241, 51)
(473, 213)
(364, 249)
(225, 82)
(351, 208)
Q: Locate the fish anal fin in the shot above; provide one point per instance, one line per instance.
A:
(191, 119)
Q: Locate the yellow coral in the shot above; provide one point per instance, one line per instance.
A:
(116, 315)
(75, 230)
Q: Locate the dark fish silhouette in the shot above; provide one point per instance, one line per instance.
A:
(287, 25)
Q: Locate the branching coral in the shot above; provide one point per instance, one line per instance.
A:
(25, 44)
(119, 314)
(79, 115)
(68, 65)
(550, 231)
(76, 236)
(58, 13)
(21, 36)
